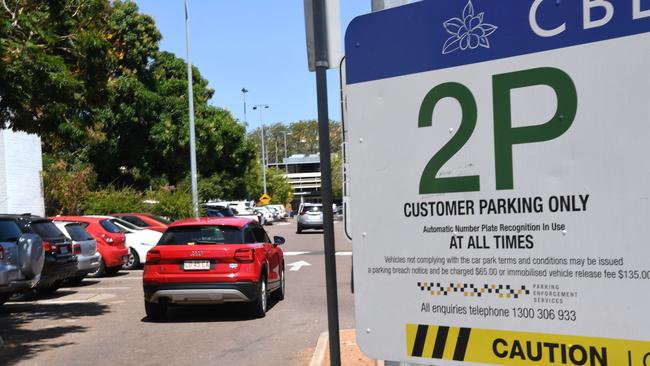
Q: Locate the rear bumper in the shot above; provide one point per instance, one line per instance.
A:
(55, 270)
(113, 256)
(88, 264)
(201, 293)
(310, 225)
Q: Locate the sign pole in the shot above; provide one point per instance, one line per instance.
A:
(190, 99)
(322, 64)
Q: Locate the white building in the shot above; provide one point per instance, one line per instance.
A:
(21, 172)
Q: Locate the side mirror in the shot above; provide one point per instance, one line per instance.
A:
(278, 240)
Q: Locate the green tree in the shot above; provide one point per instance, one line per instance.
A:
(54, 68)
(66, 186)
(278, 186)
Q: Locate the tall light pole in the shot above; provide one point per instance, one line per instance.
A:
(261, 107)
(195, 193)
(243, 94)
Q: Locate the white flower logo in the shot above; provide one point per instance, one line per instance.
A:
(467, 33)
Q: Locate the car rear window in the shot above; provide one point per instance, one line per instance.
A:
(77, 232)
(110, 227)
(46, 229)
(312, 209)
(205, 234)
(9, 231)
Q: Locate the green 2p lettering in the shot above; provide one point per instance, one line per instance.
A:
(505, 136)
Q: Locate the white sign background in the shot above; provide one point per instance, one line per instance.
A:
(604, 154)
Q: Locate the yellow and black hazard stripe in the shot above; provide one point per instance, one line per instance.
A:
(432, 341)
(510, 348)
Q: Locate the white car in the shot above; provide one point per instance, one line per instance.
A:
(267, 215)
(281, 209)
(138, 240)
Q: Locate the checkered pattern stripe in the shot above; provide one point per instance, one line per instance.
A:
(472, 290)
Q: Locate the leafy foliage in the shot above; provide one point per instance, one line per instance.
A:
(66, 186)
(111, 200)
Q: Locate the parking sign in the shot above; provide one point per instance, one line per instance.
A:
(500, 179)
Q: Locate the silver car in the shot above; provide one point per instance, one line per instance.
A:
(84, 246)
(310, 216)
(21, 259)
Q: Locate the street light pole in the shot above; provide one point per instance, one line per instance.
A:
(264, 157)
(243, 94)
(195, 194)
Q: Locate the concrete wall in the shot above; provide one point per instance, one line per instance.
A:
(21, 166)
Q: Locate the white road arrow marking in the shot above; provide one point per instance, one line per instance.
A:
(295, 266)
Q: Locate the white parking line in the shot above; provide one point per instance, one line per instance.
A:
(116, 279)
(343, 253)
(289, 254)
(91, 288)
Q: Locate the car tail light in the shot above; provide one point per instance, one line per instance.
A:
(2, 252)
(107, 238)
(47, 246)
(245, 255)
(76, 249)
(153, 256)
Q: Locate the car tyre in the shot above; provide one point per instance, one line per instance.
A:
(259, 305)
(299, 230)
(113, 270)
(155, 310)
(4, 298)
(278, 294)
(133, 262)
(99, 271)
(50, 289)
(76, 280)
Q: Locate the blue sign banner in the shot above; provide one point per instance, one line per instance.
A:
(438, 34)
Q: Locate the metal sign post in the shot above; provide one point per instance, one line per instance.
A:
(507, 140)
(322, 64)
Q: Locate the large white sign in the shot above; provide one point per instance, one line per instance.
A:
(499, 169)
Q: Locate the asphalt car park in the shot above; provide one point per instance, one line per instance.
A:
(102, 321)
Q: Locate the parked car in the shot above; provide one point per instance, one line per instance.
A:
(84, 247)
(145, 221)
(266, 216)
(282, 211)
(310, 216)
(138, 240)
(111, 242)
(218, 211)
(21, 259)
(60, 262)
(213, 260)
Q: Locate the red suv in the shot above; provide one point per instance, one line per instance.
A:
(213, 260)
(111, 242)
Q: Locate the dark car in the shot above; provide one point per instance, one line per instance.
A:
(60, 260)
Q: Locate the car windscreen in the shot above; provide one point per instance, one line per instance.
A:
(134, 220)
(77, 232)
(9, 231)
(110, 227)
(160, 219)
(203, 234)
(126, 224)
(223, 212)
(46, 229)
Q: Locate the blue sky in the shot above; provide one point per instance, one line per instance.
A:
(255, 44)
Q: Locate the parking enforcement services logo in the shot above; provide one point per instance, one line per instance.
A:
(468, 32)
